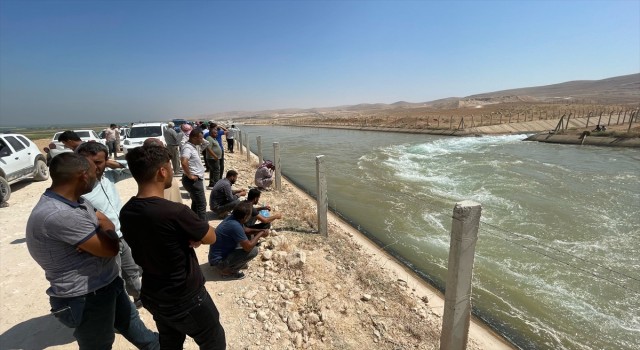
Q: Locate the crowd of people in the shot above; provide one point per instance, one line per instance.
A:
(96, 252)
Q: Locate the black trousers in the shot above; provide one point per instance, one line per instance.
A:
(198, 318)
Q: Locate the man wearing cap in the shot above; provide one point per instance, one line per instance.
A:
(173, 143)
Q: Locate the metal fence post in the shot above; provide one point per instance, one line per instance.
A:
(457, 296)
(259, 141)
(323, 203)
(276, 162)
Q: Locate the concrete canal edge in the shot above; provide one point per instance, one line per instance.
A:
(587, 140)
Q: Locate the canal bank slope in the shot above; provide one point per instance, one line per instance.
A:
(302, 291)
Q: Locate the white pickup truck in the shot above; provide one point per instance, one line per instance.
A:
(19, 159)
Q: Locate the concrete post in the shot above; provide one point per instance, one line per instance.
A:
(259, 141)
(248, 147)
(276, 162)
(323, 203)
(457, 296)
(240, 141)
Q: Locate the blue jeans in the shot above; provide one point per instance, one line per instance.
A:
(197, 318)
(95, 316)
(234, 261)
(198, 199)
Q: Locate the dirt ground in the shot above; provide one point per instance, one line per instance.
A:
(302, 291)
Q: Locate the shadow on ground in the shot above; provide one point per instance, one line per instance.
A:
(37, 333)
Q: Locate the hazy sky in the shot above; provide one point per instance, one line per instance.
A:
(102, 61)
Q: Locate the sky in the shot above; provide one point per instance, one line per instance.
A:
(104, 61)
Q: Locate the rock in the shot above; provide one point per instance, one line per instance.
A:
(279, 256)
(278, 242)
(338, 287)
(298, 340)
(267, 255)
(293, 322)
(425, 299)
(250, 294)
(313, 318)
(296, 259)
(281, 287)
(261, 316)
(252, 315)
(366, 297)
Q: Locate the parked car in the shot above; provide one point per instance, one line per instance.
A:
(19, 159)
(85, 135)
(142, 131)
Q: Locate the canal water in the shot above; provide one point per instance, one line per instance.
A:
(558, 256)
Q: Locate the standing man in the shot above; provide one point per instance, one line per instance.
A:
(105, 197)
(212, 157)
(162, 235)
(172, 140)
(110, 137)
(75, 245)
(219, 132)
(222, 198)
(193, 173)
(224, 254)
(231, 134)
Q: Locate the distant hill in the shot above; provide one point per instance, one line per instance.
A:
(617, 90)
(622, 89)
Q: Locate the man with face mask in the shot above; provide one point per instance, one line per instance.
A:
(222, 198)
(75, 245)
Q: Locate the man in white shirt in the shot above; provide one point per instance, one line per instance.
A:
(193, 172)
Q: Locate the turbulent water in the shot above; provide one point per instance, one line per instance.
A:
(558, 256)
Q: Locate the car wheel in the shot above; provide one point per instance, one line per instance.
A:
(42, 171)
(5, 189)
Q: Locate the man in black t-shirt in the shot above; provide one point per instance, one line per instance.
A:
(162, 235)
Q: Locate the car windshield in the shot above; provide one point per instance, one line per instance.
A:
(145, 131)
(55, 137)
(82, 134)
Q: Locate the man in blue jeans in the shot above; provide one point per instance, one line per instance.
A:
(232, 249)
(76, 245)
(193, 173)
(162, 235)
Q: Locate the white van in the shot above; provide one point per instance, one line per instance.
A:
(142, 131)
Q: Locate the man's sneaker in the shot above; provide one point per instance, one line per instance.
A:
(234, 276)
